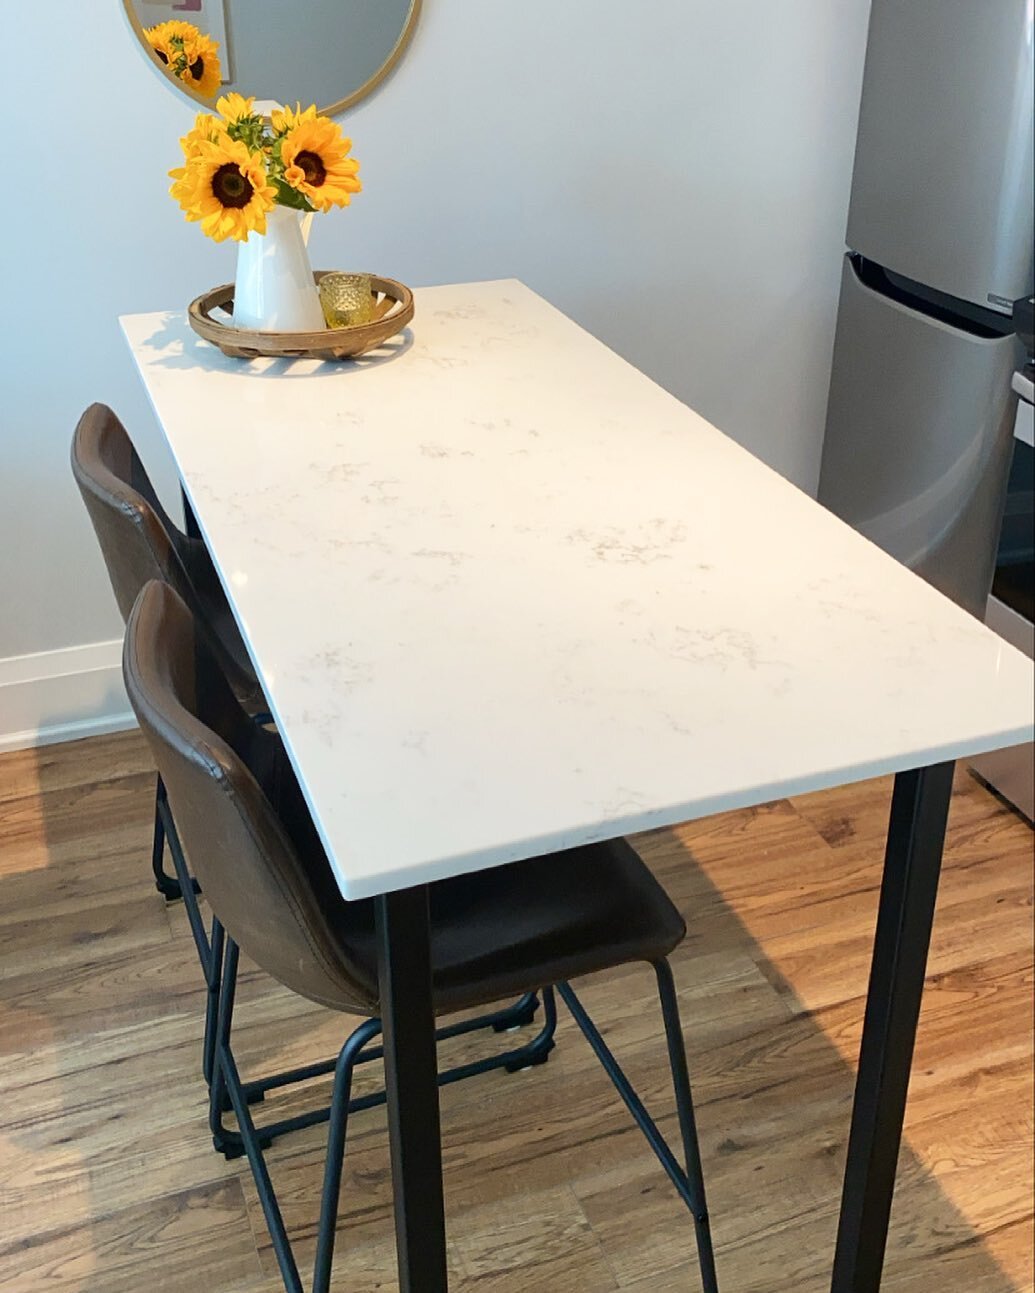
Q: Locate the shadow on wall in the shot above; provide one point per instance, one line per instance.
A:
(109, 1181)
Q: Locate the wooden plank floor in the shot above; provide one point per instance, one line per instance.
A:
(108, 1183)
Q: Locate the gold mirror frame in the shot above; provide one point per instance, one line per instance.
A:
(330, 110)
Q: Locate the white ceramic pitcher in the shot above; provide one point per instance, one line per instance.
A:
(274, 290)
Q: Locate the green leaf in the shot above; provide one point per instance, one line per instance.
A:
(289, 197)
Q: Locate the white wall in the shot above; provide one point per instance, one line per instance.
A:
(672, 173)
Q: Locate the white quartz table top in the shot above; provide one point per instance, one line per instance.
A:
(506, 595)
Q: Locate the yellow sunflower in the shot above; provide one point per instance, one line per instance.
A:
(233, 106)
(225, 187)
(202, 71)
(188, 54)
(315, 157)
(161, 37)
(205, 128)
(283, 119)
(174, 29)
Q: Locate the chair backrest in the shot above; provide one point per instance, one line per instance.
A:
(137, 538)
(261, 867)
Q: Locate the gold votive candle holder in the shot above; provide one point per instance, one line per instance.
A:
(347, 299)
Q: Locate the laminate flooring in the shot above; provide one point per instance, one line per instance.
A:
(109, 1184)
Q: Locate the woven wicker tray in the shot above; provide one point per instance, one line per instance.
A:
(393, 311)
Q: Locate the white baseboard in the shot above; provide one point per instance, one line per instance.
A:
(62, 695)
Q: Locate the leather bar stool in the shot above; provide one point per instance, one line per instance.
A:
(519, 928)
(139, 543)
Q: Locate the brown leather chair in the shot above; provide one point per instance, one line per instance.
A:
(512, 929)
(139, 543)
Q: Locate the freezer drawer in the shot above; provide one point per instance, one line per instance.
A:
(943, 166)
(918, 438)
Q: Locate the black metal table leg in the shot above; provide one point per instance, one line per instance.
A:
(407, 1016)
(912, 864)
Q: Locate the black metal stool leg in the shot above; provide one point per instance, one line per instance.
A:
(519, 1015)
(687, 1122)
(533, 1052)
(253, 1145)
(336, 1152)
(228, 1092)
(209, 947)
(688, 1183)
(224, 1018)
(167, 885)
(213, 974)
(171, 887)
(229, 1144)
(538, 1050)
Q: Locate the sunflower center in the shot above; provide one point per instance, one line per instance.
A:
(230, 187)
(197, 68)
(312, 167)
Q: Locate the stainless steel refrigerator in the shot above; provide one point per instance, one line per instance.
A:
(940, 230)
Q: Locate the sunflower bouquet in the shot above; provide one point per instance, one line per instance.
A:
(238, 165)
(187, 54)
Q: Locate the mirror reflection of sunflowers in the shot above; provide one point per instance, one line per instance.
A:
(328, 52)
(239, 165)
(187, 54)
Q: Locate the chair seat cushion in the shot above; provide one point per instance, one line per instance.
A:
(518, 927)
(495, 933)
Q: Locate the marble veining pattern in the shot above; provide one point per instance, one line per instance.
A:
(507, 595)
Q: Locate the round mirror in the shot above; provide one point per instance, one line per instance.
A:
(327, 52)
